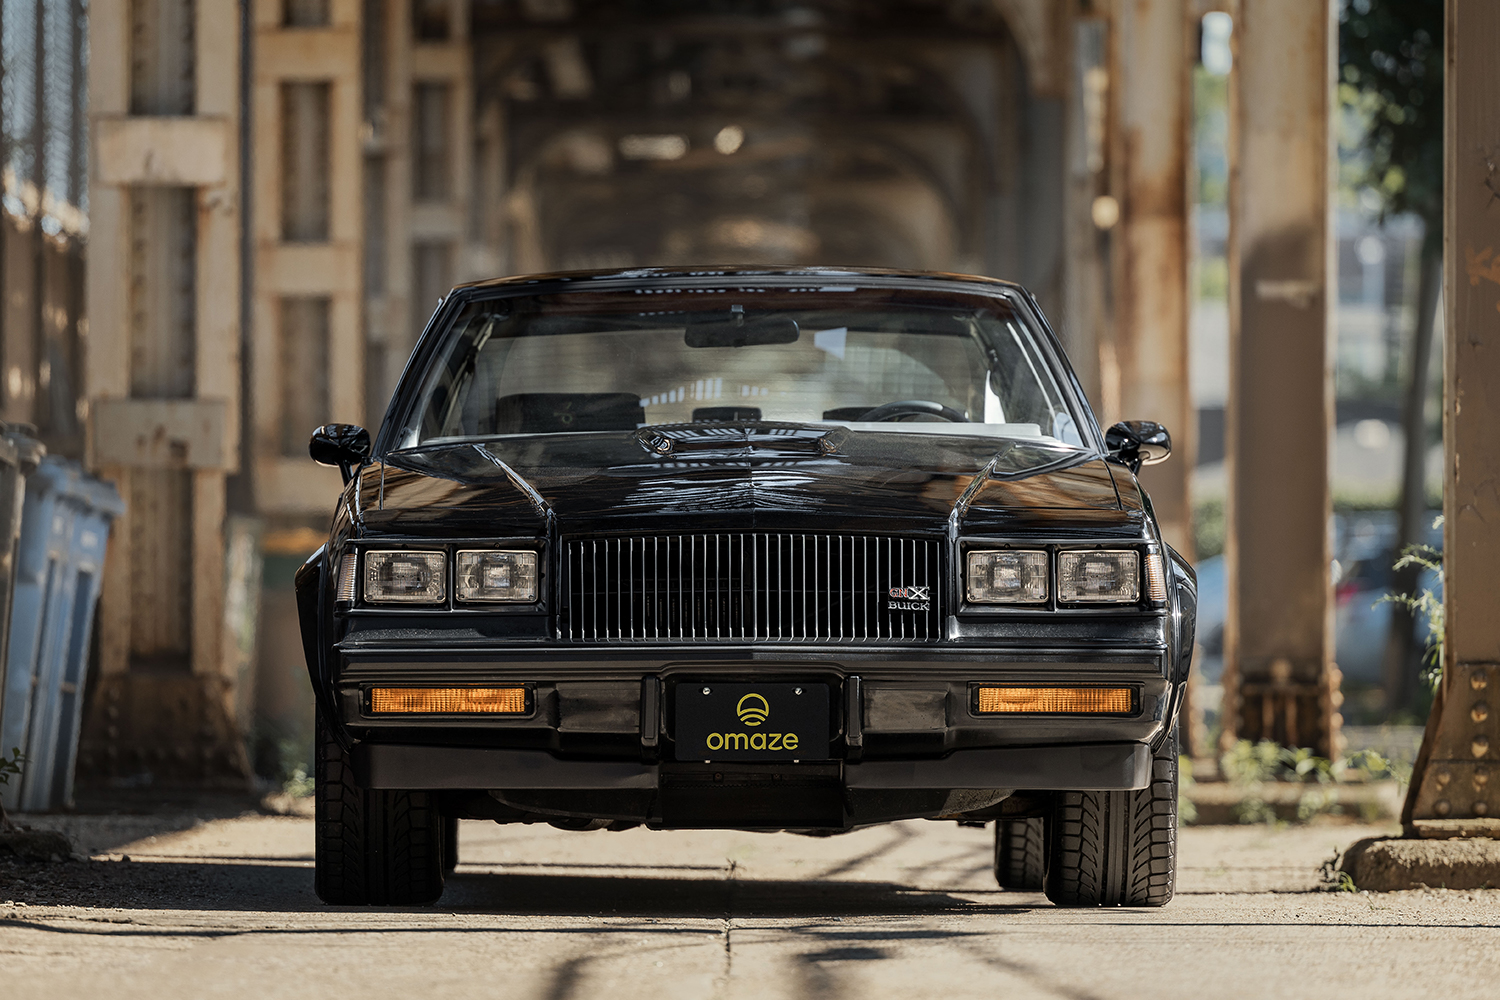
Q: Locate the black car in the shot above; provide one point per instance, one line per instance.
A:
(760, 549)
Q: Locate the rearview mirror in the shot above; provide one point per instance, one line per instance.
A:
(1138, 442)
(735, 329)
(344, 445)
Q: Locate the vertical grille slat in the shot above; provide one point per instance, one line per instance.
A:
(760, 586)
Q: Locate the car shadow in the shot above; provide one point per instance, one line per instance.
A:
(254, 885)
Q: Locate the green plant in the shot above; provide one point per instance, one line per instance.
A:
(1187, 812)
(1333, 877)
(1208, 528)
(11, 765)
(1253, 809)
(1252, 765)
(295, 781)
(1248, 763)
(1425, 604)
(1369, 765)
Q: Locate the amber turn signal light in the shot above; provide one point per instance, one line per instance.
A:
(444, 701)
(1116, 701)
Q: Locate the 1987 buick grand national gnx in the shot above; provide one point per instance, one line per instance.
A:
(759, 549)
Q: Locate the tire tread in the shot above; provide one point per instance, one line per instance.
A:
(1021, 854)
(1117, 848)
(374, 847)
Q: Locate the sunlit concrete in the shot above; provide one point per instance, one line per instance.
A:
(226, 909)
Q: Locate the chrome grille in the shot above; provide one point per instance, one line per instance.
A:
(739, 587)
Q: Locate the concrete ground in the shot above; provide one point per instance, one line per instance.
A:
(225, 908)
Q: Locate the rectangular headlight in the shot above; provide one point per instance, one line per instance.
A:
(1105, 577)
(1007, 577)
(485, 575)
(405, 578)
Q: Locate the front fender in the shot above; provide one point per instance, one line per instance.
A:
(1184, 603)
(311, 583)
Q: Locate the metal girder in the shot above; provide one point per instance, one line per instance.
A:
(1280, 682)
(1455, 789)
(1151, 65)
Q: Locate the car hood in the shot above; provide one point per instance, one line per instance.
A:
(735, 477)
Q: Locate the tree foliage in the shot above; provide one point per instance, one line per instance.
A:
(1391, 71)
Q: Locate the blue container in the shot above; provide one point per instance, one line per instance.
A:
(60, 561)
(13, 473)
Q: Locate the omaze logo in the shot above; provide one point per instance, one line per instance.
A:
(752, 709)
(909, 598)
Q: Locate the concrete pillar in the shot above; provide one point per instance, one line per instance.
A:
(1151, 60)
(425, 159)
(1279, 677)
(1455, 789)
(162, 380)
(1083, 322)
(308, 364)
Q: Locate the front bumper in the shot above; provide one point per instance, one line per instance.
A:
(825, 797)
(905, 738)
(885, 705)
(1091, 767)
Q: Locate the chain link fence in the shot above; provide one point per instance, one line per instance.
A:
(43, 216)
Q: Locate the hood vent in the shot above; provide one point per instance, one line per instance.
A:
(753, 587)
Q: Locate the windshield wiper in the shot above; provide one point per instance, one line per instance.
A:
(961, 505)
(538, 502)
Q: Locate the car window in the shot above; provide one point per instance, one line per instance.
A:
(589, 363)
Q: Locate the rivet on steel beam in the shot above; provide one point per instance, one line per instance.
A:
(1479, 712)
(1478, 679)
(1441, 807)
(1443, 777)
(1480, 777)
(1480, 808)
(1480, 746)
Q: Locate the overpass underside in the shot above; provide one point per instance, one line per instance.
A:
(280, 198)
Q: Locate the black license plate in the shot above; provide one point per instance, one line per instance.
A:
(719, 721)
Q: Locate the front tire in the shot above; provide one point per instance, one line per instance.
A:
(374, 847)
(1117, 848)
(1021, 854)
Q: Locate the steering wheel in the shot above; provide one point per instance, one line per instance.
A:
(910, 407)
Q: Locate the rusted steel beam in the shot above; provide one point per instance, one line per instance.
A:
(1280, 680)
(1151, 57)
(163, 303)
(1456, 788)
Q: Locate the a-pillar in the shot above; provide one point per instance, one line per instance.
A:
(162, 382)
(1280, 682)
(1152, 55)
(1455, 789)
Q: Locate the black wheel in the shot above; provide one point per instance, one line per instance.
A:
(1117, 848)
(374, 848)
(1020, 854)
(450, 843)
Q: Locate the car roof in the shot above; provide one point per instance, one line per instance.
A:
(734, 271)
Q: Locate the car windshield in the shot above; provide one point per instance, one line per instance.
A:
(911, 359)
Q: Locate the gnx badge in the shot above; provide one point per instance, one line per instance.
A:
(909, 599)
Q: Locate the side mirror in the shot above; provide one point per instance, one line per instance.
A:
(344, 445)
(1138, 442)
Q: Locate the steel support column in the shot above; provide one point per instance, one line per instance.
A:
(1151, 69)
(1455, 790)
(1280, 680)
(309, 208)
(162, 381)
